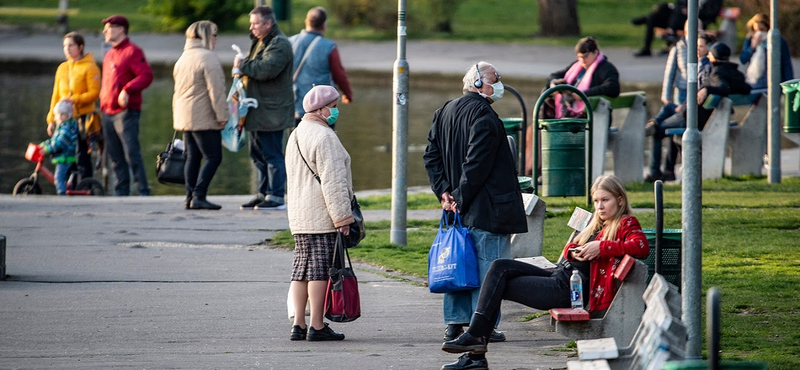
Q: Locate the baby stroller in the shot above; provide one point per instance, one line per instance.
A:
(75, 184)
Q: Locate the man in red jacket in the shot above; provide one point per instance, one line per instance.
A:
(125, 74)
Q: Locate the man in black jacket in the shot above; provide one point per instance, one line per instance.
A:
(472, 171)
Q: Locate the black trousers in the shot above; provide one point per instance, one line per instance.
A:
(83, 158)
(201, 144)
(523, 283)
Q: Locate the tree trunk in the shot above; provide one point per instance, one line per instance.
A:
(559, 18)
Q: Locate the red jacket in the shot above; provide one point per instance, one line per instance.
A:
(124, 68)
(630, 240)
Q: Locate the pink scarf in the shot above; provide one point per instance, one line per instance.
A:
(571, 75)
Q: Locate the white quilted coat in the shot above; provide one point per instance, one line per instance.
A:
(314, 207)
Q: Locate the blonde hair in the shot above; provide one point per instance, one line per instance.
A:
(203, 31)
(612, 185)
(758, 18)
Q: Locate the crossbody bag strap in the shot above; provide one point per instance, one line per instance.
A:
(305, 56)
(304, 160)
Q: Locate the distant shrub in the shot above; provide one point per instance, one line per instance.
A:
(382, 15)
(177, 15)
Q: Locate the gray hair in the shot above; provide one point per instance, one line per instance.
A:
(266, 13)
(203, 31)
(472, 75)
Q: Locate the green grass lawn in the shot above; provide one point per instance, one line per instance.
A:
(750, 252)
(479, 20)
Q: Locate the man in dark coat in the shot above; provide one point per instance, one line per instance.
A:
(472, 171)
(267, 77)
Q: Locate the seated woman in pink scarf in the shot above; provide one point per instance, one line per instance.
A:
(592, 74)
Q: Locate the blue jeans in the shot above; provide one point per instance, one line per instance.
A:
(61, 176)
(266, 150)
(121, 134)
(459, 306)
(666, 119)
(201, 144)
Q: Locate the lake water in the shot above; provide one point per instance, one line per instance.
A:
(365, 128)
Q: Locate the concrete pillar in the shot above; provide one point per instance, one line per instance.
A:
(530, 243)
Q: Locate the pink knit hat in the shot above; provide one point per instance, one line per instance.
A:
(318, 97)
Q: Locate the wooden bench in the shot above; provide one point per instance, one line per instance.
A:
(620, 320)
(626, 141)
(660, 336)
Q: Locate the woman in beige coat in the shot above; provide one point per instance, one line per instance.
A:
(199, 110)
(318, 207)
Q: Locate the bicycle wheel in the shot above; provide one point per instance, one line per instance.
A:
(92, 185)
(27, 186)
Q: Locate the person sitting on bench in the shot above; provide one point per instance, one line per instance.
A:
(595, 252)
(725, 79)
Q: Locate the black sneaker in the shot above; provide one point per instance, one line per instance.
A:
(326, 333)
(268, 205)
(497, 336)
(668, 176)
(466, 363)
(452, 331)
(298, 333)
(252, 203)
(198, 203)
(465, 343)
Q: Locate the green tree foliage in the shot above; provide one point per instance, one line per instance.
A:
(179, 14)
(382, 15)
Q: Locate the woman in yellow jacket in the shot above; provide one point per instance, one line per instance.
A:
(77, 80)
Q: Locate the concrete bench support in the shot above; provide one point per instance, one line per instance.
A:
(622, 317)
(748, 140)
(530, 244)
(625, 140)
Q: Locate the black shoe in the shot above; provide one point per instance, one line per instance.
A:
(198, 203)
(465, 343)
(188, 202)
(298, 333)
(639, 21)
(453, 331)
(326, 333)
(466, 363)
(497, 336)
(269, 204)
(668, 176)
(652, 177)
(642, 53)
(664, 52)
(252, 203)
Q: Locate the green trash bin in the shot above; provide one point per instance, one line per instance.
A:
(670, 255)
(281, 9)
(791, 106)
(703, 365)
(563, 157)
(512, 125)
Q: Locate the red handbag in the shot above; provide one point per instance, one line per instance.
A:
(342, 302)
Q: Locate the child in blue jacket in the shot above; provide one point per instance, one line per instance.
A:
(63, 144)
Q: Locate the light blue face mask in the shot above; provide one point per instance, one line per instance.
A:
(333, 117)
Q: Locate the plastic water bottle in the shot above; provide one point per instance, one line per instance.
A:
(576, 290)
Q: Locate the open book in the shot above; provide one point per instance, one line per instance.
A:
(580, 219)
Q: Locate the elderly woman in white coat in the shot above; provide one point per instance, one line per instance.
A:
(199, 110)
(318, 208)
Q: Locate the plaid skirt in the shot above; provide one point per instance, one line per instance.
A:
(312, 256)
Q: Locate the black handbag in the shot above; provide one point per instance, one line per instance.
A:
(357, 229)
(170, 164)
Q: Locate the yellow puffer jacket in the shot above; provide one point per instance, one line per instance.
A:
(78, 80)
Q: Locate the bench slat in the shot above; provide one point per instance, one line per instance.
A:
(593, 349)
(569, 314)
(624, 268)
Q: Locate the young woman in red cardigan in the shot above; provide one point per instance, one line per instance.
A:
(595, 253)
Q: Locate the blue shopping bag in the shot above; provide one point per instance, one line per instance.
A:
(452, 260)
